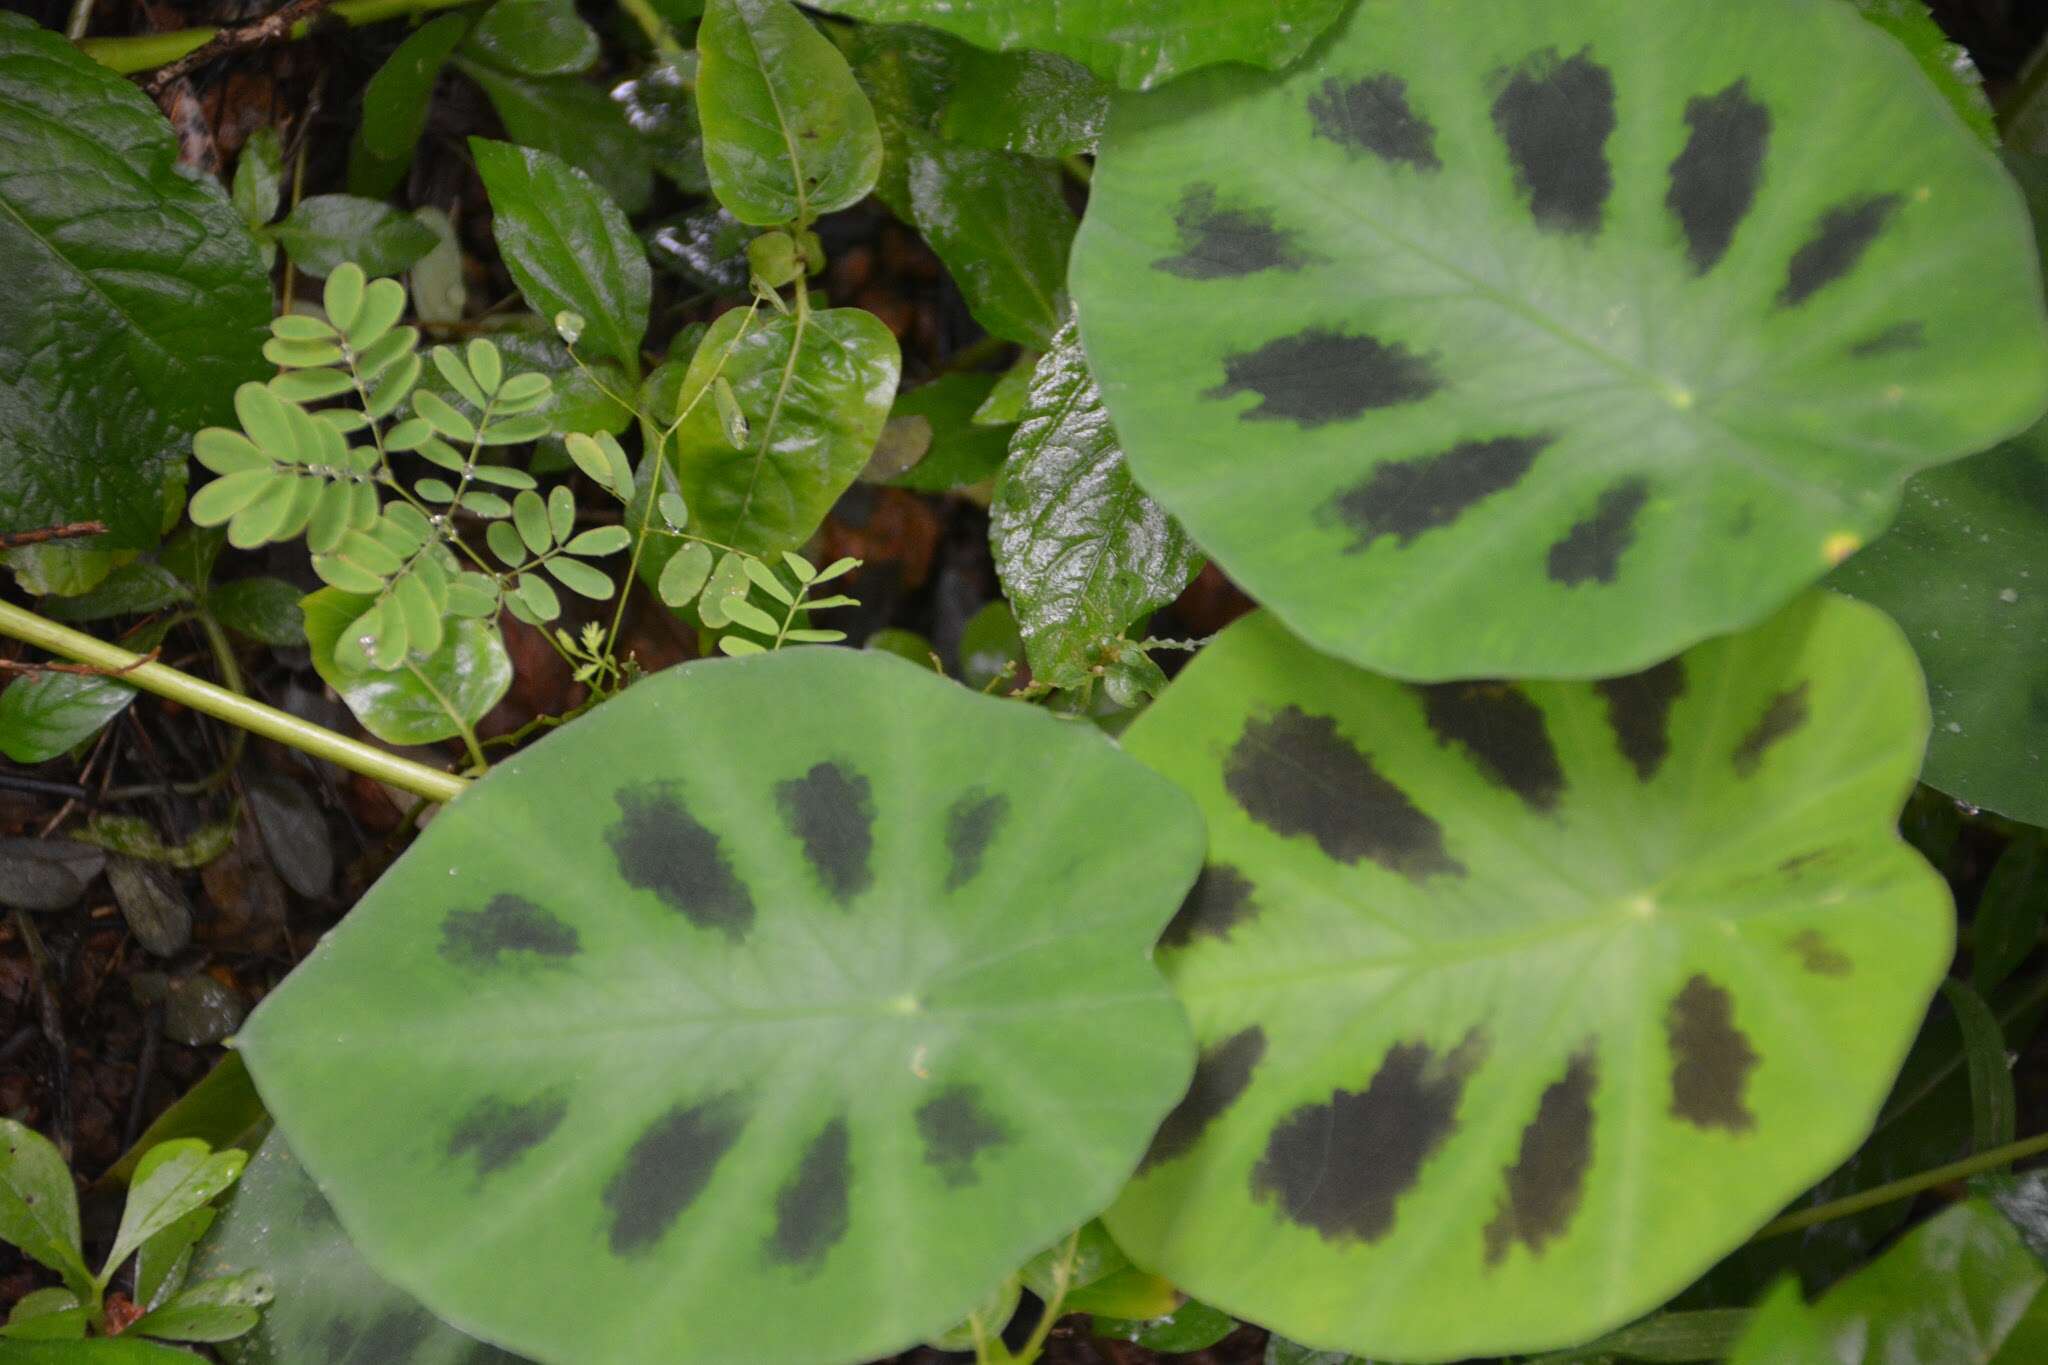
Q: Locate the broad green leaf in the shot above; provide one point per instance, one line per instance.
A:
(788, 135)
(223, 1108)
(327, 229)
(2006, 926)
(933, 424)
(533, 38)
(1965, 572)
(171, 1180)
(52, 1314)
(1547, 340)
(422, 700)
(38, 1203)
(1954, 1290)
(815, 387)
(134, 589)
(1030, 102)
(1082, 552)
(908, 74)
(568, 246)
(568, 117)
(1136, 43)
(661, 106)
(1192, 1326)
(1001, 224)
(44, 714)
(259, 178)
(264, 609)
(330, 1306)
(1534, 998)
(396, 99)
(135, 299)
(713, 996)
(1946, 64)
(162, 1260)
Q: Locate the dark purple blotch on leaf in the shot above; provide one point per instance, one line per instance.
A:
(1714, 180)
(661, 847)
(509, 924)
(831, 810)
(499, 1131)
(1222, 1074)
(812, 1209)
(1903, 336)
(1639, 712)
(1838, 244)
(667, 1168)
(1341, 1167)
(1297, 775)
(1219, 243)
(1374, 115)
(1504, 734)
(972, 823)
(1819, 956)
(1544, 1186)
(1710, 1059)
(1220, 899)
(1555, 115)
(956, 1128)
(1785, 714)
(1405, 498)
(1591, 551)
(1319, 376)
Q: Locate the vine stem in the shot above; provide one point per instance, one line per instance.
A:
(232, 707)
(145, 51)
(1906, 1188)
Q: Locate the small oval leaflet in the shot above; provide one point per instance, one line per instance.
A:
(1593, 335)
(1533, 998)
(680, 1009)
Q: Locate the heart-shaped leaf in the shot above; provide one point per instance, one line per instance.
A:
(330, 1307)
(715, 996)
(1965, 572)
(1136, 43)
(1533, 999)
(423, 699)
(1547, 340)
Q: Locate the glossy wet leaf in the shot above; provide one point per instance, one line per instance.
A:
(661, 105)
(1137, 43)
(1001, 224)
(584, 1073)
(327, 229)
(534, 38)
(1965, 572)
(1591, 334)
(420, 701)
(788, 135)
(43, 715)
(1083, 553)
(1533, 998)
(1954, 1290)
(815, 389)
(568, 246)
(136, 301)
(38, 1202)
(568, 117)
(330, 1306)
(1031, 102)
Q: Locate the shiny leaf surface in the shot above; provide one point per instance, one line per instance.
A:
(423, 699)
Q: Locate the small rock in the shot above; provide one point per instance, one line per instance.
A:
(153, 904)
(46, 874)
(199, 1010)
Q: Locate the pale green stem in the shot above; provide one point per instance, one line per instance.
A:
(658, 32)
(1906, 1188)
(146, 51)
(232, 707)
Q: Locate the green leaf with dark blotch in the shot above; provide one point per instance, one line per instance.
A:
(1001, 224)
(1535, 998)
(1136, 43)
(1946, 64)
(582, 1074)
(788, 135)
(568, 117)
(1030, 102)
(661, 106)
(1953, 1290)
(330, 1307)
(533, 38)
(411, 704)
(1547, 341)
(264, 609)
(328, 229)
(136, 302)
(568, 246)
(1964, 571)
(396, 99)
(1082, 552)
(816, 388)
(939, 417)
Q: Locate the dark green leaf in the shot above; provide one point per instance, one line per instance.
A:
(131, 590)
(661, 105)
(396, 99)
(568, 117)
(259, 176)
(38, 1202)
(788, 135)
(264, 609)
(44, 714)
(328, 229)
(568, 246)
(533, 38)
(934, 425)
(1001, 224)
(2008, 921)
(1030, 102)
(706, 246)
(135, 299)
(908, 73)
(1992, 1105)
(1083, 553)
(1191, 1327)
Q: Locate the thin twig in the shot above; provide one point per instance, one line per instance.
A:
(69, 531)
(85, 670)
(272, 28)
